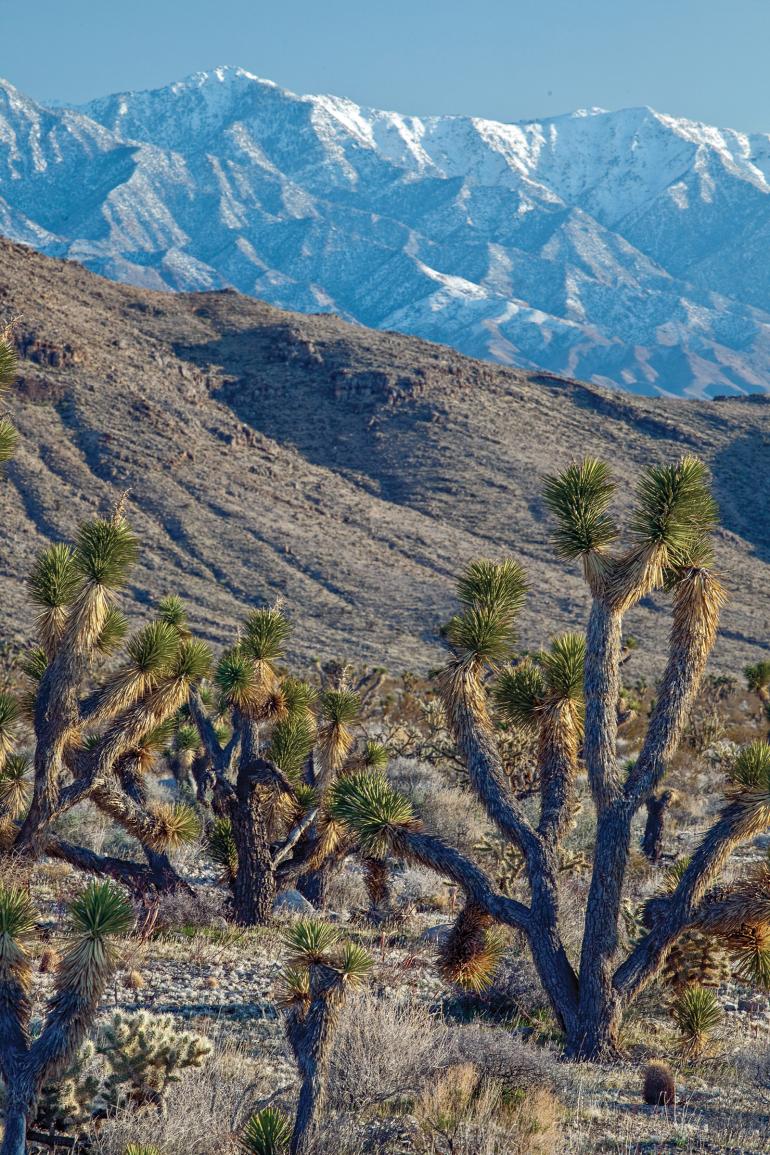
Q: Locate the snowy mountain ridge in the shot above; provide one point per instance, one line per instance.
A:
(629, 248)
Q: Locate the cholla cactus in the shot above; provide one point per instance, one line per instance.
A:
(568, 696)
(320, 970)
(68, 1101)
(99, 915)
(97, 745)
(145, 1054)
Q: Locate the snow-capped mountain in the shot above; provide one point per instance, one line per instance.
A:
(628, 247)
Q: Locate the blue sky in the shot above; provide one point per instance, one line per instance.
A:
(504, 59)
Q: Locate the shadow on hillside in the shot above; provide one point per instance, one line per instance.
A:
(334, 404)
(741, 480)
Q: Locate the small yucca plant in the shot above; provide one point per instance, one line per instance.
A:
(267, 1133)
(222, 849)
(697, 1014)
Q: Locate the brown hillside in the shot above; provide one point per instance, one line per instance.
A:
(352, 471)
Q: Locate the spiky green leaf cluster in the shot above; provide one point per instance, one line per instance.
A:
(519, 692)
(106, 549)
(187, 738)
(113, 632)
(299, 696)
(192, 661)
(751, 769)
(309, 941)
(33, 663)
(15, 785)
(374, 755)
(267, 1133)
(340, 707)
(500, 586)
(222, 849)
(18, 919)
(153, 648)
(355, 963)
(491, 594)
(171, 610)
(371, 809)
(176, 824)
(563, 667)
(8, 360)
(291, 743)
(265, 634)
(697, 1014)
(9, 439)
(579, 499)
(236, 679)
(97, 916)
(141, 1149)
(54, 578)
(9, 716)
(159, 737)
(674, 509)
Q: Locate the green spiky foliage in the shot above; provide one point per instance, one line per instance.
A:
(266, 1133)
(519, 693)
(579, 499)
(309, 941)
(291, 743)
(15, 786)
(697, 1015)
(145, 1053)
(758, 679)
(237, 681)
(52, 586)
(171, 610)
(186, 739)
(9, 716)
(9, 438)
(223, 850)
(97, 916)
(299, 696)
(374, 755)
(674, 510)
(373, 811)
(142, 1149)
(491, 594)
(113, 633)
(175, 824)
(265, 635)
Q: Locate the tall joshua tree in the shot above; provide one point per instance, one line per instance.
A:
(82, 973)
(96, 744)
(569, 695)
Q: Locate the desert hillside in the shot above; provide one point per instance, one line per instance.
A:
(352, 471)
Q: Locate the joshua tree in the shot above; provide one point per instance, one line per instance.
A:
(96, 744)
(569, 695)
(272, 769)
(81, 976)
(320, 971)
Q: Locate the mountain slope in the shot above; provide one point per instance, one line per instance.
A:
(350, 470)
(627, 248)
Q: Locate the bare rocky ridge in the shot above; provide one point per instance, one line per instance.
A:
(352, 471)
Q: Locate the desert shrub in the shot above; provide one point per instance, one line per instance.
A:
(145, 1054)
(386, 1049)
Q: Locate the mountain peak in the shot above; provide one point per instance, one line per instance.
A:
(621, 246)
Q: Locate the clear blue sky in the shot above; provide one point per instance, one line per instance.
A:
(706, 59)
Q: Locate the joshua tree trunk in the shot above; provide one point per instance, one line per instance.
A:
(652, 842)
(17, 1112)
(254, 885)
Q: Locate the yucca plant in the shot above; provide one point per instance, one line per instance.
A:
(320, 970)
(98, 917)
(267, 1133)
(697, 1015)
